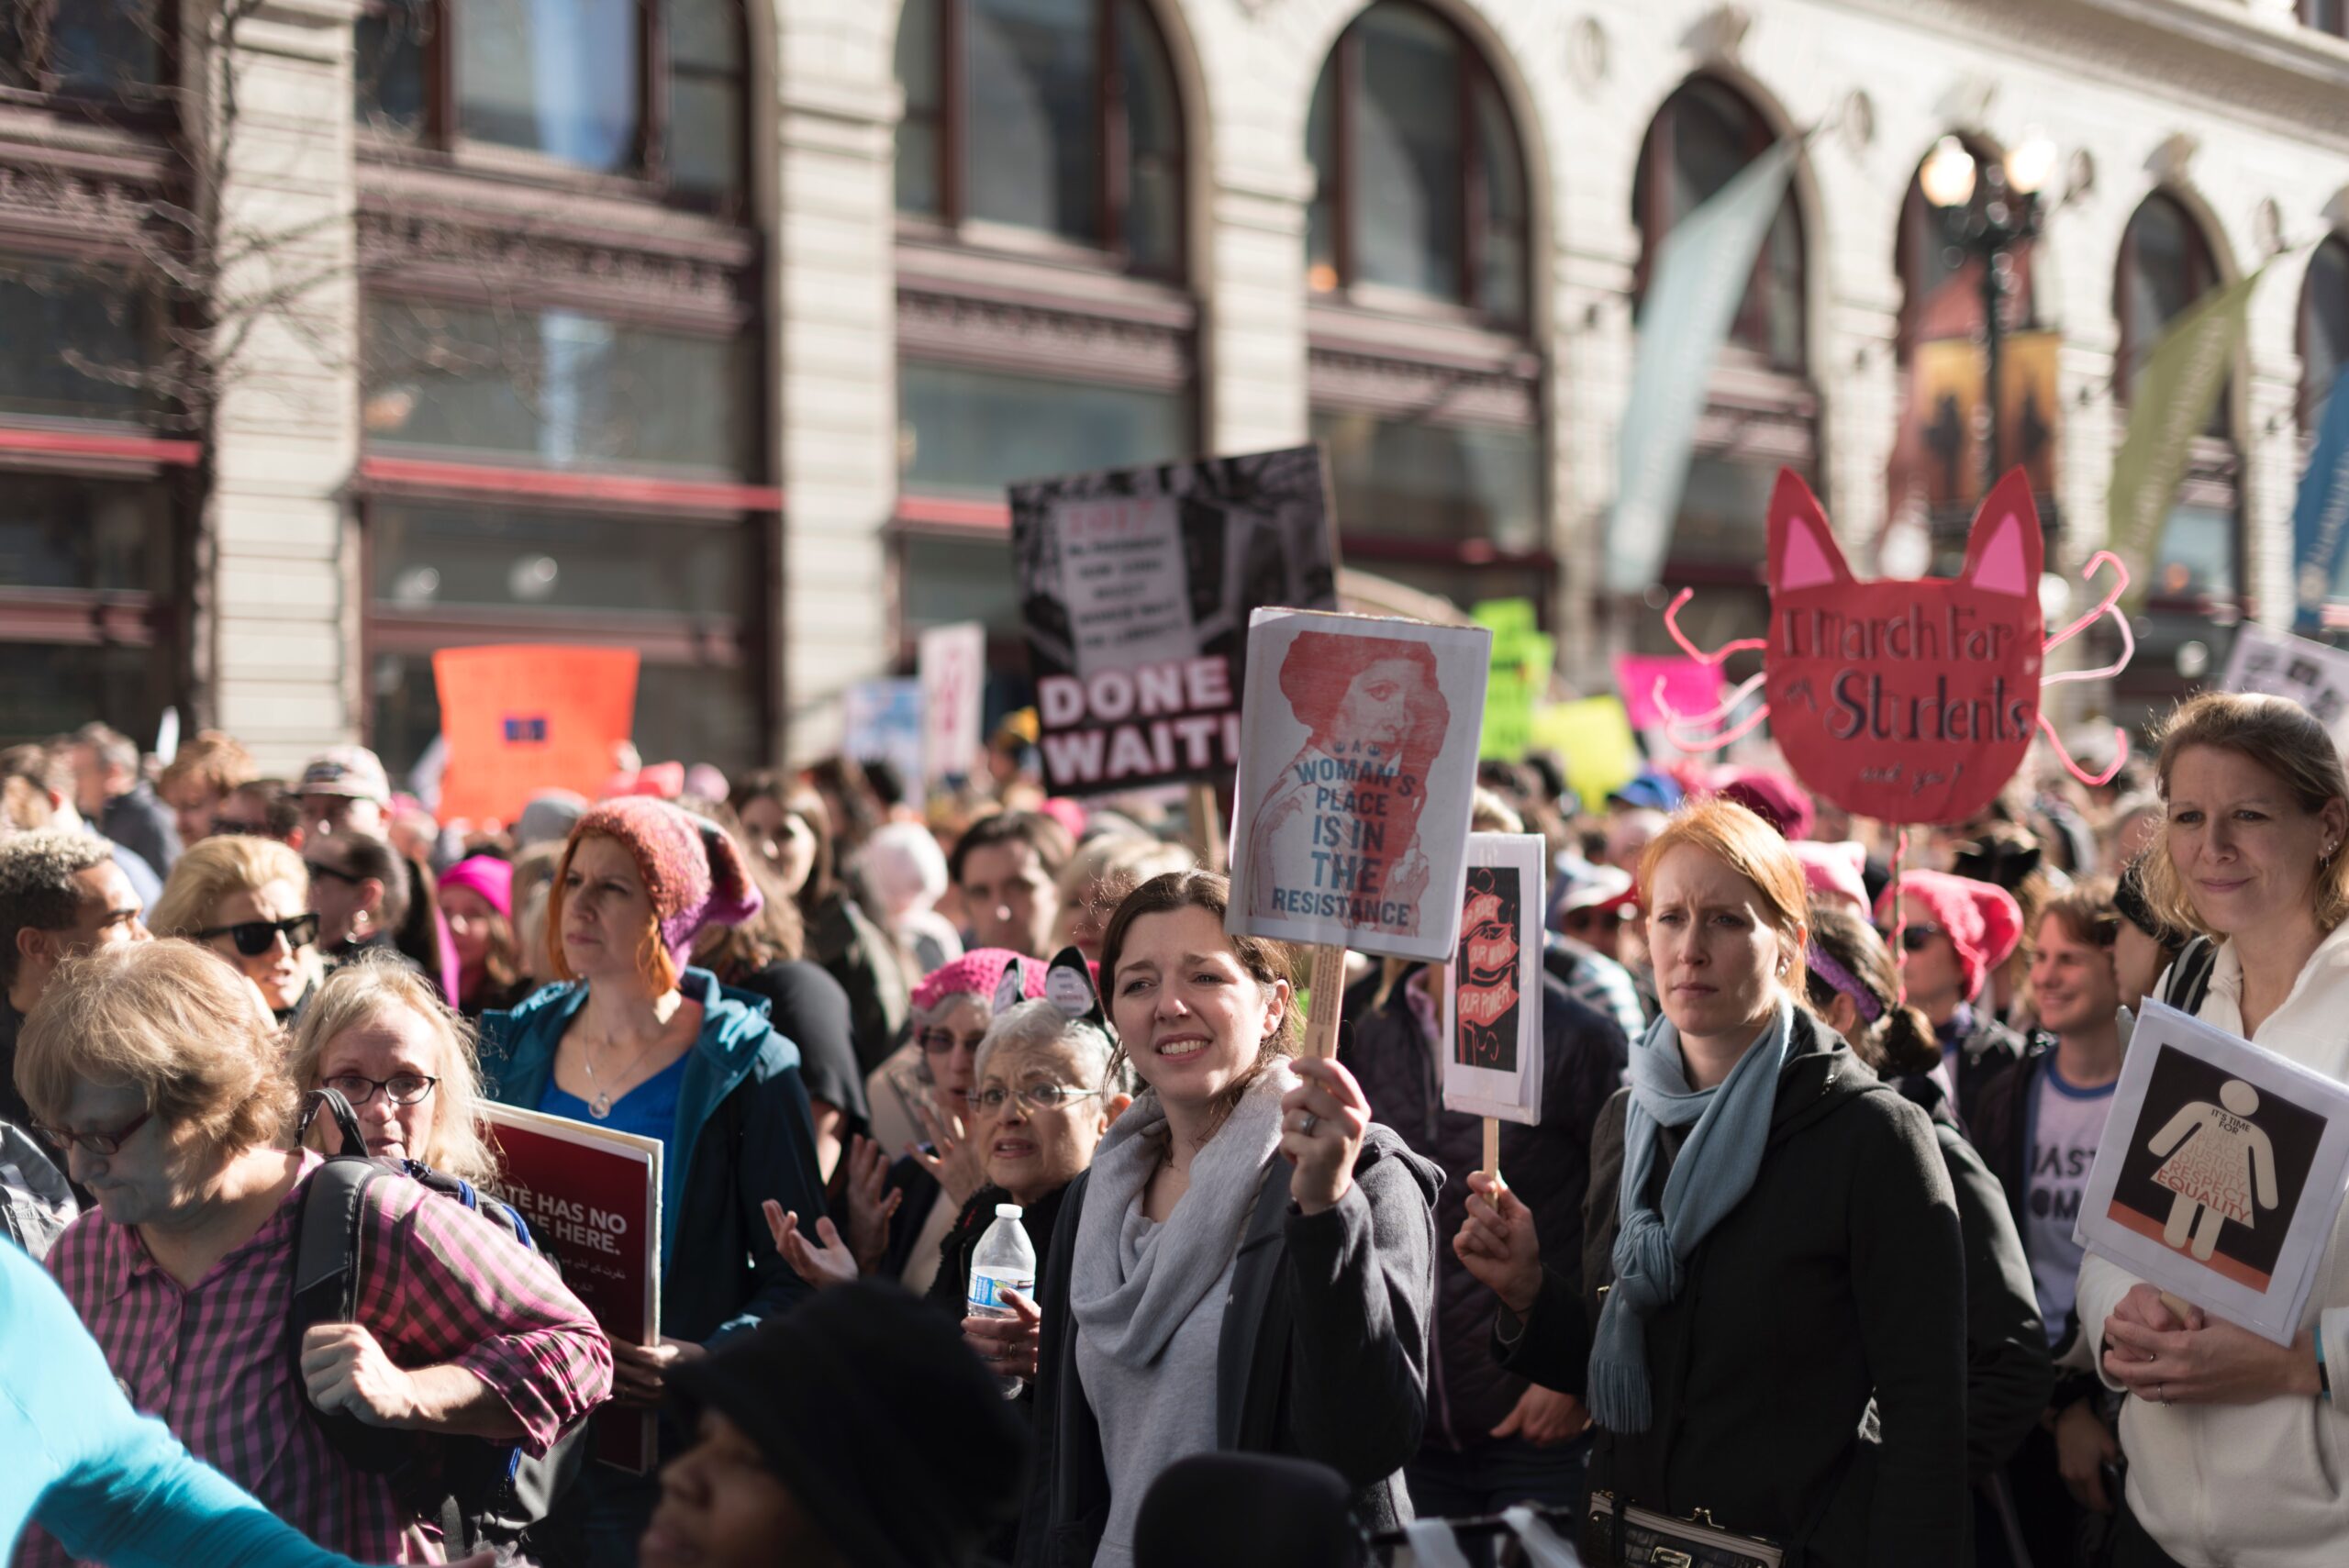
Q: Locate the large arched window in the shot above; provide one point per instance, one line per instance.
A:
(2166, 265)
(2325, 330)
(649, 91)
(1426, 384)
(1419, 187)
(1705, 133)
(563, 357)
(1055, 117)
(1043, 322)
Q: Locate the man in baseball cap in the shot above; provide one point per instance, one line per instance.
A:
(344, 789)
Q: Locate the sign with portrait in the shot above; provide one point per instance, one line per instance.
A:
(591, 1196)
(1492, 994)
(1357, 762)
(2312, 674)
(2219, 1172)
(1137, 584)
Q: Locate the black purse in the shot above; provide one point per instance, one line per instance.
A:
(1634, 1536)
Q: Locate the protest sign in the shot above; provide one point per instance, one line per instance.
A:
(1492, 1001)
(592, 1199)
(1906, 701)
(520, 720)
(2279, 664)
(1358, 758)
(1522, 656)
(953, 664)
(2219, 1172)
(885, 725)
(1687, 686)
(1594, 735)
(1137, 584)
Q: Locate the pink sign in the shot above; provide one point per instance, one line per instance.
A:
(1689, 687)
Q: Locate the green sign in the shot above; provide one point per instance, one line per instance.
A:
(1522, 658)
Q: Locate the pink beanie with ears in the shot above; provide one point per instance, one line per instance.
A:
(693, 873)
(1982, 921)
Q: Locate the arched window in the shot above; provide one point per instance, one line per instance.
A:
(1419, 187)
(2166, 265)
(1055, 117)
(650, 89)
(2325, 330)
(1705, 133)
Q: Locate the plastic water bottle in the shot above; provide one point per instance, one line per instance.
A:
(1005, 1260)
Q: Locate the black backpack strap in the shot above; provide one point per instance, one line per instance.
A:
(346, 1120)
(2190, 975)
(330, 1259)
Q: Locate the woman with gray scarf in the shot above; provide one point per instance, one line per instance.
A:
(1768, 1319)
(1249, 1265)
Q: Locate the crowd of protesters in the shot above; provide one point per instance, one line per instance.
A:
(1789, 1253)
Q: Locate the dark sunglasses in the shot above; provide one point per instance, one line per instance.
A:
(102, 1143)
(317, 870)
(255, 938)
(1917, 939)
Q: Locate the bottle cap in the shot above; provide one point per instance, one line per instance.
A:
(1009, 1211)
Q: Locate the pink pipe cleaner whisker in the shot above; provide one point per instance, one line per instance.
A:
(1673, 720)
(2063, 753)
(2110, 607)
(1672, 624)
(1715, 742)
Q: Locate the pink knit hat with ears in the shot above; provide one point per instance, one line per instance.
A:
(1982, 920)
(693, 873)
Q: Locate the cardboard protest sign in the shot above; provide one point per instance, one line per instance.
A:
(592, 1199)
(2310, 673)
(1905, 701)
(518, 719)
(1358, 758)
(2219, 1172)
(883, 720)
(1522, 658)
(953, 664)
(1688, 686)
(1594, 735)
(1492, 997)
(1138, 584)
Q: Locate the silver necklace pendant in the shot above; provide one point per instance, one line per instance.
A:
(600, 1107)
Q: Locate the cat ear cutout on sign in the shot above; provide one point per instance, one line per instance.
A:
(1803, 551)
(1069, 985)
(2005, 549)
(1012, 988)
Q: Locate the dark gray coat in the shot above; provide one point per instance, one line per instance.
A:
(1324, 1356)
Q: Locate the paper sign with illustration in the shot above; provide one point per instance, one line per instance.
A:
(1492, 997)
(2219, 1172)
(953, 664)
(885, 725)
(1137, 584)
(518, 719)
(592, 1199)
(2310, 673)
(1357, 761)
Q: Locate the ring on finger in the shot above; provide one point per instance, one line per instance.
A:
(1308, 1123)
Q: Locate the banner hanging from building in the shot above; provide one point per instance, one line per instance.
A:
(1701, 273)
(2320, 518)
(1138, 584)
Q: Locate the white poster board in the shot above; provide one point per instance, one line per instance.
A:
(951, 661)
(1492, 994)
(1357, 763)
(2279, 664)
(885, 725)
(2219, 1172)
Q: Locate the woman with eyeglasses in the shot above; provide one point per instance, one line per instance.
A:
(376, 1034)
(248, 899)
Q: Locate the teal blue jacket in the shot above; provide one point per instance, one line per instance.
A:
(112, 1485)
(743, 1134)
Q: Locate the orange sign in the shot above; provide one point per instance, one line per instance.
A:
(522, 719)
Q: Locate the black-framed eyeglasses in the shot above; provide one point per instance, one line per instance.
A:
(938, 1042)
(102, 1143)
(317, 870)
(1035, 1096)
(255, 938)
(401, 1088)
(1917, 939)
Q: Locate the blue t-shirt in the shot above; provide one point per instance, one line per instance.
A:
(648, 1110)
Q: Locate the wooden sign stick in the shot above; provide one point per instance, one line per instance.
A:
(1327, 986)
(1204, 828)
(1493, 1147)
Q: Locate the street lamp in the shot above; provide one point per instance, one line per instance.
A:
(1990, 229)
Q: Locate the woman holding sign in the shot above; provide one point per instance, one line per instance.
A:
(1772, 1248)
(2235, 1443)
(1249, 1263)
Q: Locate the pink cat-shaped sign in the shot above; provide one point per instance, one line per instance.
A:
(1908, 701)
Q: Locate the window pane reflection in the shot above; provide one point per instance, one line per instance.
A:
(1034, 148)
(47, 690)
(972, 432)
(948, 580)
(1407, 124)
(705, 129)
(1501, 285)
(1154, 144)
(2325, 330)
(2197, 557)
(50, 310)
(919, 151)
(426, 558)
(559, 387)
(95, 48)
(82, 534)
(388, 75)
(553, 76)
(1400, 479)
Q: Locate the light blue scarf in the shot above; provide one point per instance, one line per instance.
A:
(1711, 1177)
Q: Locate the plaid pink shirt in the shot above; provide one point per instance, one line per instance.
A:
(442, 1287)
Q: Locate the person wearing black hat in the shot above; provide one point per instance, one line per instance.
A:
(809, 1429)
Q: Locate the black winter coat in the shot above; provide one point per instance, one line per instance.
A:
(1324, 1353)
(1547, 1166)
(1838, 1282)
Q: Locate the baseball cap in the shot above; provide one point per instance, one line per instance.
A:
(1651, 789)
(353, 771)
